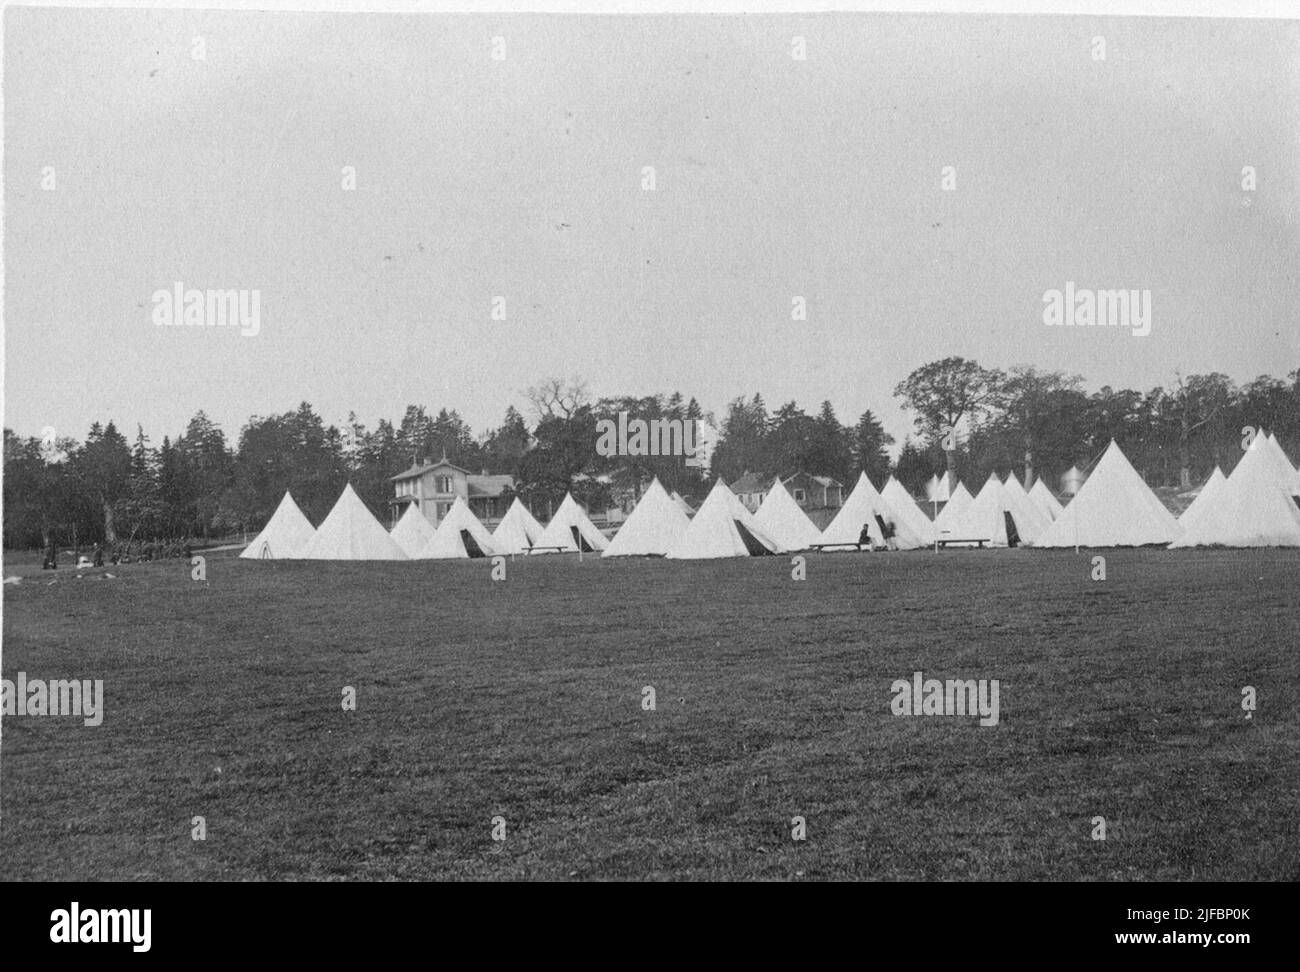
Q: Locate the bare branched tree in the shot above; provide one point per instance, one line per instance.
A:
(558, 397)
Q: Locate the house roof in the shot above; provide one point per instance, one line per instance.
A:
(407, 474)
(489, 485)
(827, 482)
(751, 483)
(420, 469)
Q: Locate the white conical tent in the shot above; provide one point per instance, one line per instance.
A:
(901, 502)
(1285, 455)
(285, 535)
(982, 519)
(987, 516)
(781, 518)
(1031, 522)
(1250, 509)
(1043, 498)
(682, 505)
(1205, 500)
(651, 528)
(569, 528)
(351, 532)
(517, 531)
(413, 531)
(1287, 474)
(459, 535)
(1072, 481)
(1113, 508)
(1286, 460)
(866, 507)
(956, 507)
(944, 487)
(722, 527)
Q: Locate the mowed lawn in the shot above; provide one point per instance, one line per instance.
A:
(523, 699)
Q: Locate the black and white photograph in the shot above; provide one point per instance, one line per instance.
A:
(677, 443)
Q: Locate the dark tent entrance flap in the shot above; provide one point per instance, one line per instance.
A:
(471, 545)
(1013, 535)
(580, 542)
(751, 542)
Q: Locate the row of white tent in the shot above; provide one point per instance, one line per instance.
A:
(351, 532)
(1258, 505)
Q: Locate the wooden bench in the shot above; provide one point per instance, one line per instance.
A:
(558, 548)
(978, 541)
(848, 543)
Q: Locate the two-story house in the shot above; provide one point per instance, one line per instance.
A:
(434, 486)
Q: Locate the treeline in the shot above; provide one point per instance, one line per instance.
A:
(1039, 424)
(789, 440)
(108, 489)
(1033, 422)
(975, 420)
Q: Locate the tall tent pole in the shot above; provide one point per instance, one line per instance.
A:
(1076, 520)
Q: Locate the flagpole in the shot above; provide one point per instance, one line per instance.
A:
(1076, 521)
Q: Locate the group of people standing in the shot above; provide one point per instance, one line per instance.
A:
(122, 553)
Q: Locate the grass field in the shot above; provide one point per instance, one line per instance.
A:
(1119, 698)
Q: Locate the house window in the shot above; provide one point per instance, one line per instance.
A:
(443, 484)
(443, 508)
(800, 496)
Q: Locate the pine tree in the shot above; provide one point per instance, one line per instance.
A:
(870, 448)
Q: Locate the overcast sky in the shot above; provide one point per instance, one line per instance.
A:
(522, 178)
